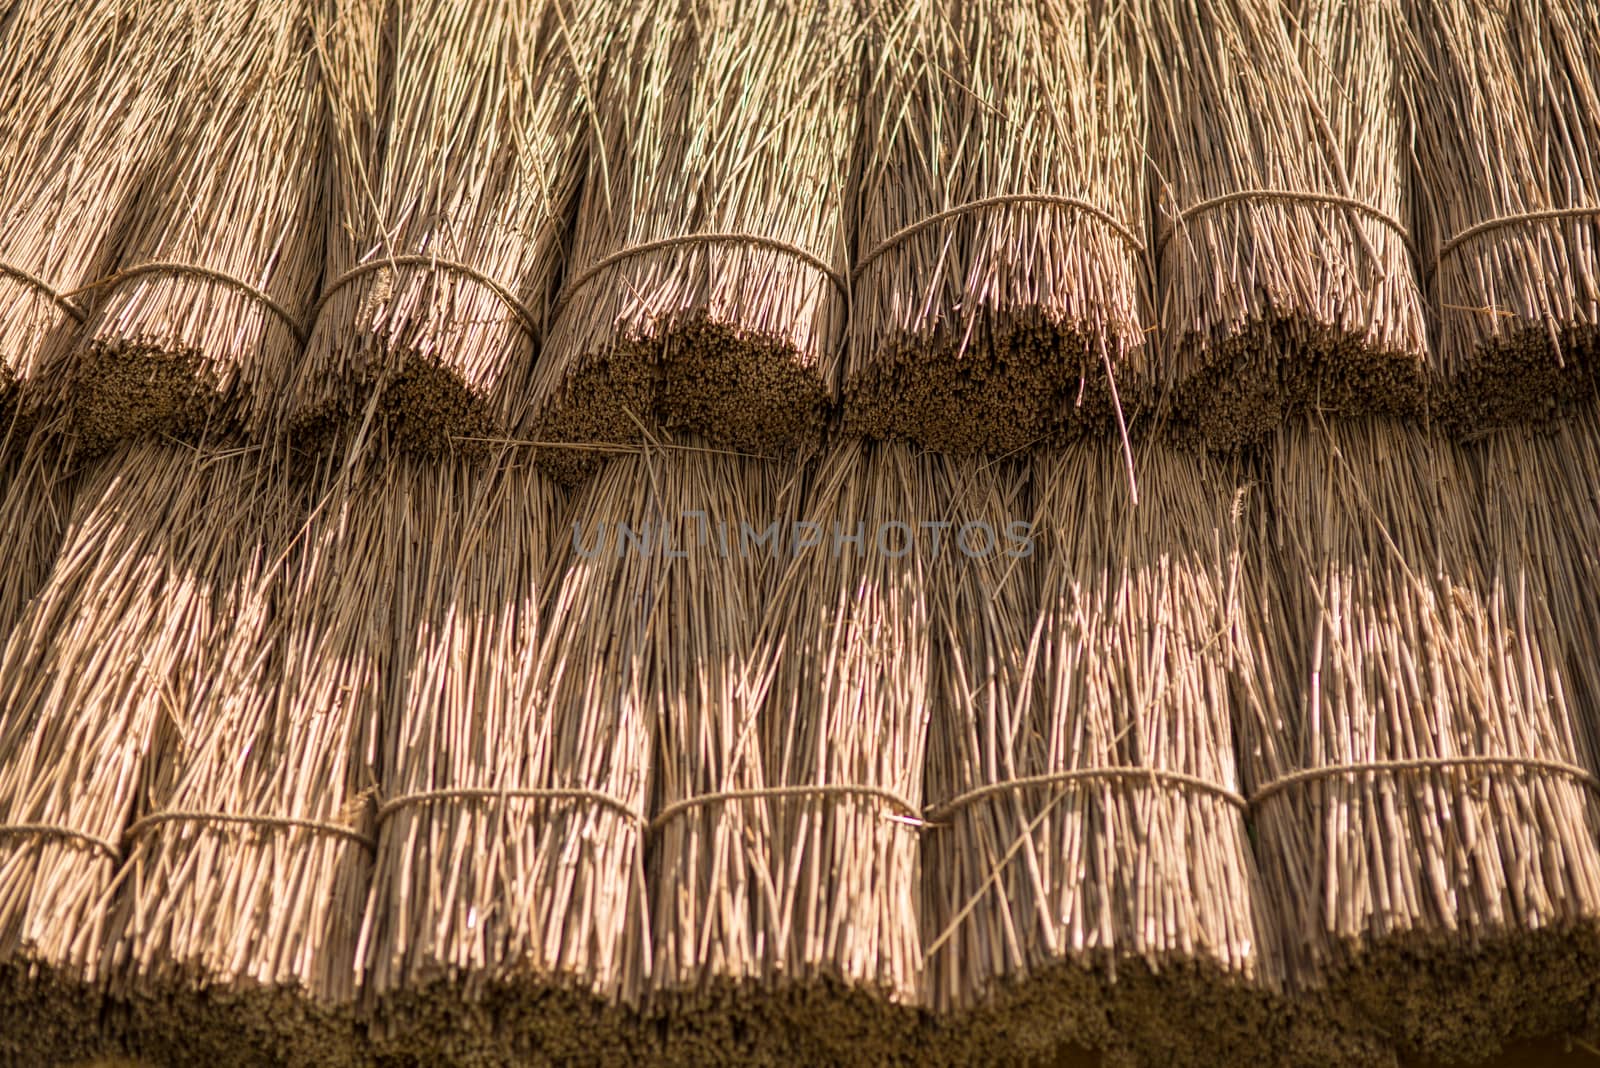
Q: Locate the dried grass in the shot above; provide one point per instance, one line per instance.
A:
(85, 108)
(36, 491)
(1505, 102)
(116, 647)
(221, 252)
(1454, 906)
(456, 169)
(705, 289)
(1002, 281)
(1279, 153)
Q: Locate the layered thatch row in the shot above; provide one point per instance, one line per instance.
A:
(1505, 102)
(707, 284)
(85, 108)
(1422, 774)
(1287, 276)
(36, 491)
(221, 252)
(455, 170)
(119, 644)
(1001, 281)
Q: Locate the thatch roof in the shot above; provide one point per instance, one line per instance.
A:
(675, 532)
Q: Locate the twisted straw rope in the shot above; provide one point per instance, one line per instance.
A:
(64, 300)
(1111, 222)
(248, 819)
(428, 797)
(530, 322)
(908, 811)
(1297, 197)
(207, 274)
(1461, 763)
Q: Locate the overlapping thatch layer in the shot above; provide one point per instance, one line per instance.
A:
(1001, 280)
(120, 643)
(1422, 784)
(222, 249)
(1285, 266)
(1504, 100)
(86, 99)
(1090, 878)
(235, 940)
(708, 279)
(36, 491)
(453, 185)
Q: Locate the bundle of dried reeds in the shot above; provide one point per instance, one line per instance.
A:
(1001, 277)
(222, 250)
(708, 273)
(1285, 267)
(451, 196)
(86, 102)
(1090, 834)
(1423, 789)
(37, 477)
(451, 921)
(157, 559)
(1505, 102)
(846, 643)
(250, 855)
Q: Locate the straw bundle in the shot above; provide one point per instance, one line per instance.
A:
(36, 492)
(1286, 275)
(1119, 883)
(450, 921)
(1505, 101)
(235, 938)
(708, 267)
(119, 642)
(222, 251)
(1002, 278)
(1422, 788)
(451, 205)
(843, 729)
(85, 105)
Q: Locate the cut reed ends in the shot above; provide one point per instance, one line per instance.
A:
(236, 934)
(86, 107)
(451, 198)
(223, 250)
(1450, 893)
(1287, 277)
(1001, 278)
(451, 929)
(1505, 102)
(708, 276)
(117, 645)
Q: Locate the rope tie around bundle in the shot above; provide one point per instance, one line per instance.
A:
(1558, 768)
(810, 259)
(1156, 777)
(906, 811)
(66, 834)
(1502, 222)
(261, 821)
(189, 270)
(524, 314)
(1299, 197)
(1074, 204)
(63, 300)
(431, 797)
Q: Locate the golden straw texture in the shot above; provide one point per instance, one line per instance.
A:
(450, 922)
(453, 186)
(1451, 901)
(222, 251)
(1505, 102)
(1279, 155)
(1002, 278)
(118, 644)
(711, 250)
(36, 491)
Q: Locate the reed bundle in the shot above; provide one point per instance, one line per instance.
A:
(85, 107)
(116, 646)
(1285, 267)
(845, 635)
(36, 492)
(1095, 884)
(1505, 101)
(451, 921)
(708, 269)
(222, 251)
(454, 187)
(1422, 786)
(1002, 280)
(236, 934)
